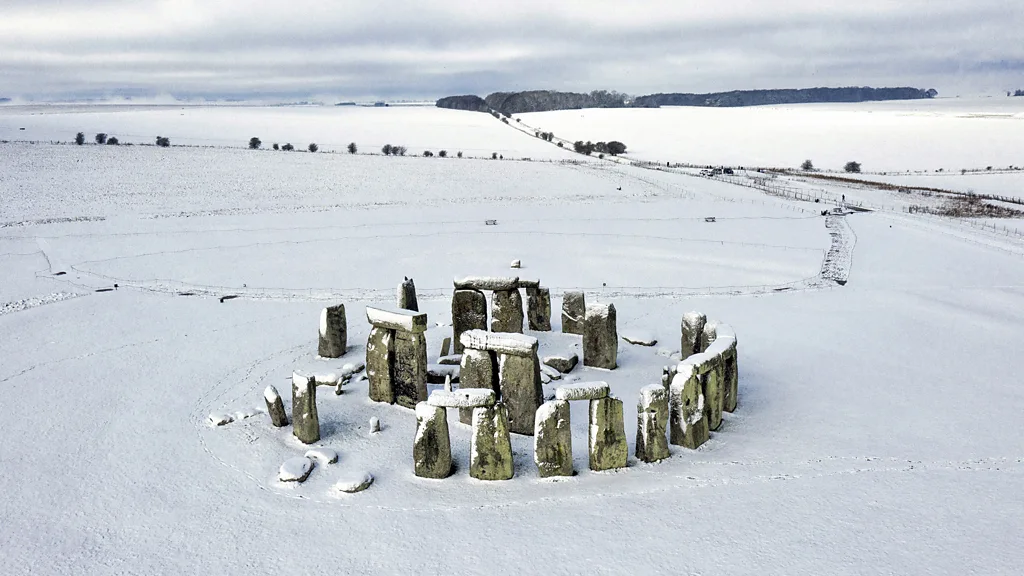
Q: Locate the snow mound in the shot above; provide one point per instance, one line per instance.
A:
(295, 469)
(351, 368)
(220, 418)
(354, 482)
(322, 455)
(328, 379)
(246, 413)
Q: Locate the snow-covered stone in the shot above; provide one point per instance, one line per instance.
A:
(333, 342)
(507, 311)
(687, 424)
(469, 312)
(431, 448)
(521, 390)
(600, 337)
(552, 440)
(437, 373)
(708, 335)
(563, 364)
(550, 372)
(529, 282)
(305, 421)
(295, 469)
(403, 320)
(374, 425)
(538, 309)
(450, 360)
(322, 455)
(607, 437)
(351, 368)
(352, 482)
(245, 413)
(379, 351)
(691, 327)
(462, 398)
(652, 420)
(490, 456)
(583, 391)
(574, 310)
(409, 368)
(640, 338)
(406, 299)
(487, 283)
(503, 343)
(516, 264)
(479, 369)
(275, 407)
(327, 378)
(220, 418)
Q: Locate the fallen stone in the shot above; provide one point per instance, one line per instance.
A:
(600, 338)
(552, 440)
(516, 264)
(407, 295)
(550, 372)
(275, 407)
(220, 418)
(487, 283)
(607, 437)
(327, 379)
(521, 390)
(507, 311)
(380, 353)
(469, 312)
(691, 327)
(574, 310)
(295, 470)
(333, 341)
(438, 373)
(688, 426)
(640, 339)
(462, 398)
(353, 482)
(479, 369)
(583, 391)
(351, 368)
(490, 456)
(502, 343)
(431, 448)
(401, 320)
(409, 369)
(322, 455)
(652, 420)
(305, 421)
(563, 364)
(538, 309)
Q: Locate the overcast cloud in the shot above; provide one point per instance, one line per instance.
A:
(404, 49)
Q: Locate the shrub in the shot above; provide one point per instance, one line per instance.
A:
(352, 149)
(600, 156)
(112, 141)
(560, 145)
(459, 154)
(399, 150)
(276, 146)
(80, 138)
(852, 167)
(163, 141)
(807, 165)
(288, 147)
(615, 148)
(255, 143)
(443, 153)
(101, 138)
(313, 147)
(386, 150)
(494, 155)
(428, 153)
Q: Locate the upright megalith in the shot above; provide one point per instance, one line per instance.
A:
(708, 335)
(410, 368)
(652, 420)
(398, 341)
(507, 311)
(275, 407)
(333, 332)
(732, 381)
(714, 395)
(431, 448)
(479, 369)
(407, 295)
(469, 312)
(692, 327)
(607, 437)
(688, 427)
(305, 421)
(600, 337)
(519, 383)
(490, 456)
(574, 309)
(552, 439)
(538, 308)
(380, 351)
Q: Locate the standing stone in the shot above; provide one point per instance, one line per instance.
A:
(407, 296)
(574, 309)
(692, 328)
(305, 421)
(732, 381)
(446, 347)
(410, 368)
(552, 439)
(708, 335)
(507, 311)
(600, 337)
(714, 394)
(652, 419)
(432, 448)
(538, 309)
(667, 374)
(687, 423)
(333, 332)
(490, 456)
(275, 407)
(521, 390)
(469, 312)
(479, 369)
(380, 352)
(607, 437)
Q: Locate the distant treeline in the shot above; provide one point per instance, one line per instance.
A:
(545, 100)
(4, 100)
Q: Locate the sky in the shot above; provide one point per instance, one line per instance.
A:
(400, 49)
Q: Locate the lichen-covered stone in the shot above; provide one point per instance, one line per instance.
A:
(333, 332)
(275, 407)
(574, 310)
(397, 319)
(713, 383)
(667, 373)
(446, 346)
(688, 427)
(431, 448)
(487, 283)
(469, 312)
(380, 350)
(708, 335)
(521, 390)
(409, 369)
(692, 327)
(563, 364)
(305, 421)
(607, 437)
(732, 381)
(507, 311)
(538, 309)
(652, 420)
(552, 439)
(479, 369)
(501, 342)
(407, 295)
(490, 456)
(600, 337)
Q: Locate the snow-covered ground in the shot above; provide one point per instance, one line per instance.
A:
(876, 432)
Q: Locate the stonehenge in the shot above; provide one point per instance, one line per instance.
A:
(333, 332)
(600, 337)
(574, 308)
(396, 356)
(407, 295)
(513, 361)
(305, 421)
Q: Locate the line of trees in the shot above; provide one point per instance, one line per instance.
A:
(613, 148)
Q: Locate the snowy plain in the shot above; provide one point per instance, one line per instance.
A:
(878, 428)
